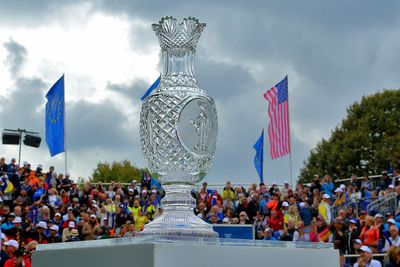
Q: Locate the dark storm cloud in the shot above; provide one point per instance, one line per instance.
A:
(16, 56)
(131, 90)
(223, 81)
(92, 126)
(19, 109)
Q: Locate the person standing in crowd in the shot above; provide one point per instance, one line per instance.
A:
(305, 213)
(228, 191)
(369, 233)
(66, 183)
(366, 186)
(3, 165)
(286, 188)
(315, 184)
(351, 234)
(324, 209)
(340, 197)
(385, 181)
(51, 177)
(327, 185)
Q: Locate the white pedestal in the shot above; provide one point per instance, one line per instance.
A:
(150, 253)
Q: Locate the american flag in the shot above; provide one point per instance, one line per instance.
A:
(278, 112)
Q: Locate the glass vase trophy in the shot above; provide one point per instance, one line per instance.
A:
(178, 130)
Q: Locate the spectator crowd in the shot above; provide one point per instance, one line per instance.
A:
(39, 207)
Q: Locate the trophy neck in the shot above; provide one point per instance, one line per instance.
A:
(178, 43)
(178, 63)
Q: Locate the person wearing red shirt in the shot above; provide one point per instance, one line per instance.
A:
(369, 233)
(276, 222)
(17, 260)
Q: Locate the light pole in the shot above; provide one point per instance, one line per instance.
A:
(13, 137)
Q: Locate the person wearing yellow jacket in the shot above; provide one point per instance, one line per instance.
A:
(228, 191)
(324, 209)
(340, 197)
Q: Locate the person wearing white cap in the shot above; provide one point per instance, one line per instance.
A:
(90, 228)
(268, 234)
(54, 237)
(11, 247)
(66, 233)
(340, 197)
(394, 239)
(38, 233)
(324, 209)
(366, 258)
(16, 232)
(285, 188)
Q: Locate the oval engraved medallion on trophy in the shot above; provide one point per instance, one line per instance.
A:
(197, 126)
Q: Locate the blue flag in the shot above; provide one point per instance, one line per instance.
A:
(55, 118)
(259, 157)
(152, 88)
(154, 182)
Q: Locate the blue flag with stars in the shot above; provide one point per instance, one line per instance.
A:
(259, 157)
(55, 118)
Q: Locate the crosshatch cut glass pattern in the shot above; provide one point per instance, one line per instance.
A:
(178, 129)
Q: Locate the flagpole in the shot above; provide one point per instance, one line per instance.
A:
(290, 142)
(262, 158)
(65, 139)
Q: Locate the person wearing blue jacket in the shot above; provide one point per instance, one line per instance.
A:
(305, 213)
(327, 185)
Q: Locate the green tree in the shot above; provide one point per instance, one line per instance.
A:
(366, 141)
(122, 171)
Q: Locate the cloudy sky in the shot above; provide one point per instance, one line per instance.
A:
(333, 52)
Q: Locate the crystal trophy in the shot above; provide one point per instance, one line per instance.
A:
(178, 130)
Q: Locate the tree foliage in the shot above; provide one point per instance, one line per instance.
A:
(122, 171)
(365, 142)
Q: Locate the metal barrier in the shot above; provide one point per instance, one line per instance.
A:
(357, 205)
(387, 203)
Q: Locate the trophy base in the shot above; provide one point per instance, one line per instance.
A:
(179, 223)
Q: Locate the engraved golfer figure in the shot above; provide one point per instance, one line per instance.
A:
(202, 126)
